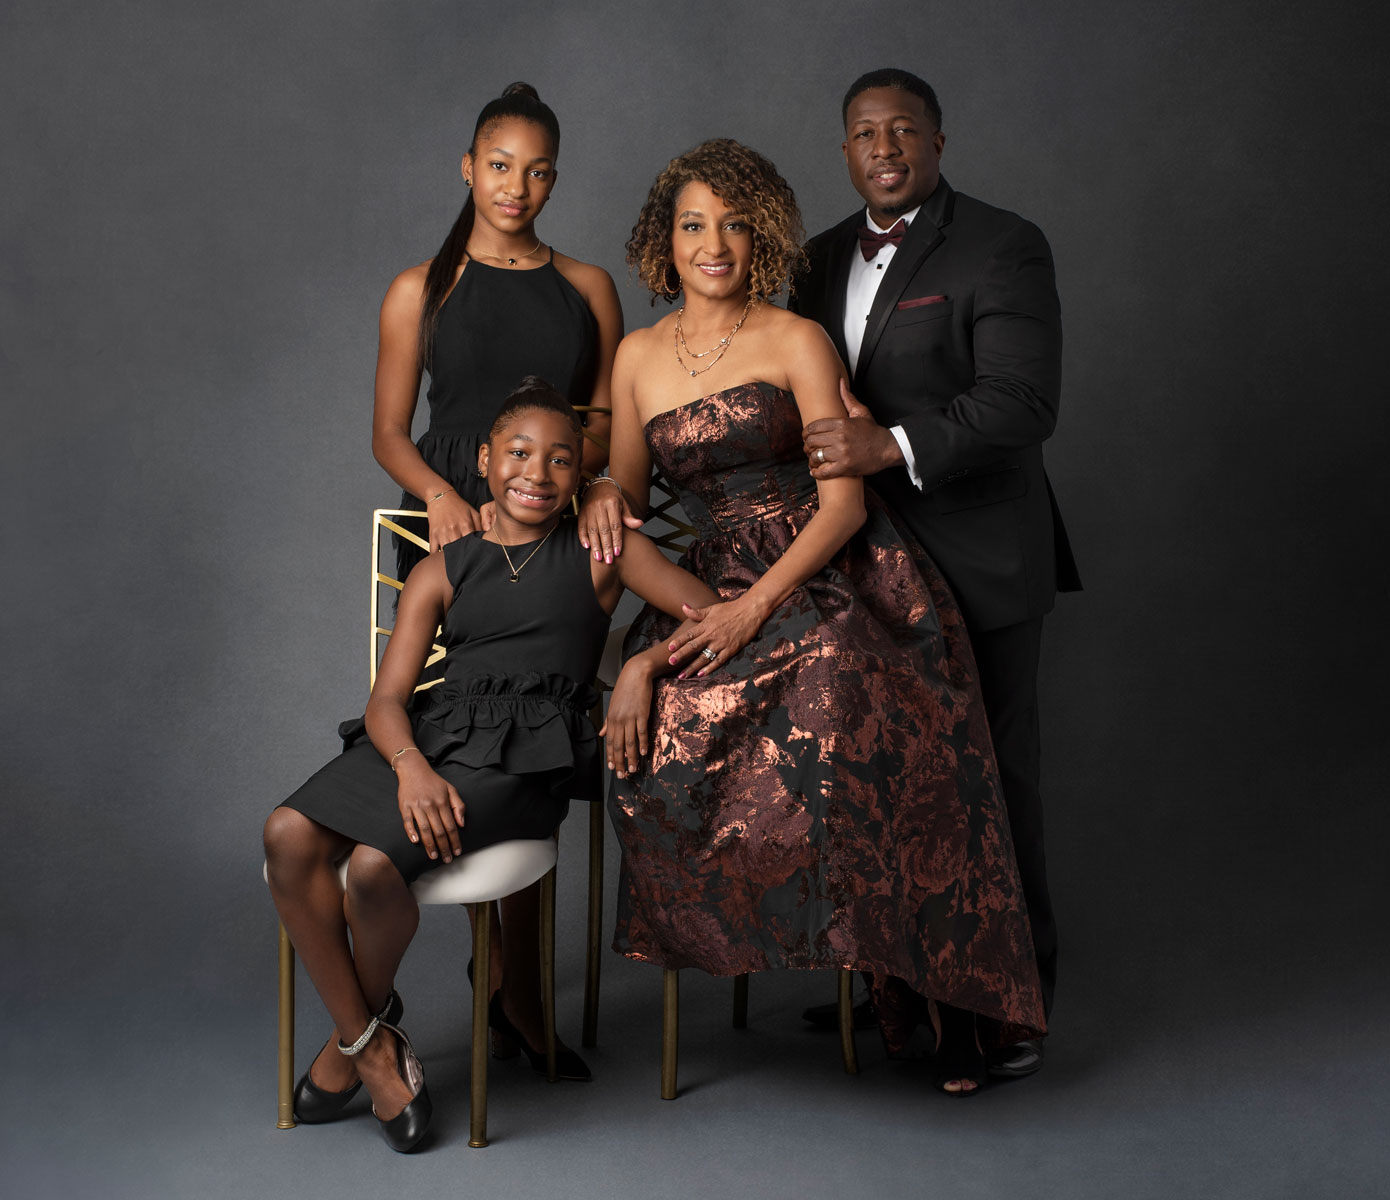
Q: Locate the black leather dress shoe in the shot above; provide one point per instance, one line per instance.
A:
(827, 1016)
(315, 1106)
(1016, 1061)
(405, 1131)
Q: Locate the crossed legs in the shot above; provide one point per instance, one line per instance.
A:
(352, 978)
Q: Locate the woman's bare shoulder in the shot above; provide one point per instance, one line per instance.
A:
(587, 278)
(408, 288)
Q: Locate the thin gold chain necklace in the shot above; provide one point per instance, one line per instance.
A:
(511, 262)
(721, 346)
(516, 571)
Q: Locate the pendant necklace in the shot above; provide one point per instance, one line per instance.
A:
(516, 571)
(511, 262)
(717, 349)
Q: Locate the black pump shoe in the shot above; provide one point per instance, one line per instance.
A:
(315, 1106)
(405, 1131)
(568, 1065)
(507, 1041)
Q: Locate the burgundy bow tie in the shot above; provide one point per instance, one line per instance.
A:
(871, 241)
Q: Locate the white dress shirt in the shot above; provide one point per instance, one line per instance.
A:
(862, 287)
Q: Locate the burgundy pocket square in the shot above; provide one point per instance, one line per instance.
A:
(920, 301)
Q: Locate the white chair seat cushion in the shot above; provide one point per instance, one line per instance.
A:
(486, 874)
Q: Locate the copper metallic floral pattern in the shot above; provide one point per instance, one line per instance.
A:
(829, 798)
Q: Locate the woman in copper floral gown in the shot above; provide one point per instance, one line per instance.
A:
(818, 789)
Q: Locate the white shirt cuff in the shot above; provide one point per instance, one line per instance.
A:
(908, 461)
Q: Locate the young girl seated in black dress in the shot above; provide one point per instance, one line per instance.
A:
(495, 752)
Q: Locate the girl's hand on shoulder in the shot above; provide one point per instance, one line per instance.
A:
(451, 517)
(602, 515)
(716, 633)
(487, 515)
(629, 711)
(431, 809)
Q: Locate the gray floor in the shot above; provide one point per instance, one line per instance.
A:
(1186, 1073)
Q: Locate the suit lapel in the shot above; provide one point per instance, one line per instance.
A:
(843, 244)
(924, 235)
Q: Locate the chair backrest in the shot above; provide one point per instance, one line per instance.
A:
(379, 633)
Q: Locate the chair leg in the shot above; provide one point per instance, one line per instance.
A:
(741, 1001)
(847, 1023)
(548, 971)
(670, 1031)
(482, 974)
(285, 1066)
(594, 950)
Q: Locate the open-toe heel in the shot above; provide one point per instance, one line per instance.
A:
(403, 1132)
(958, 1057)
(314, 1105)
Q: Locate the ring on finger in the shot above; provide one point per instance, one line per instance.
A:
(709, 654)
(820, 454)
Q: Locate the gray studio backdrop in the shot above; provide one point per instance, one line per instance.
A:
(203, 206)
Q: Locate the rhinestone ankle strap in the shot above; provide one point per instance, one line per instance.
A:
(366, 1037)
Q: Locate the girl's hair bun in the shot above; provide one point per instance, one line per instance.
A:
(521, 89)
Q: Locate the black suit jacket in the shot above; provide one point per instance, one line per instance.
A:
(963, 349)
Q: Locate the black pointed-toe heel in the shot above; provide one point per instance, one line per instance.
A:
(405, 1131)
(568, 1065)
(958, 1054)
(314, 1105)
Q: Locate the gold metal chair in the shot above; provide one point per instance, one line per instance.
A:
(475, 880)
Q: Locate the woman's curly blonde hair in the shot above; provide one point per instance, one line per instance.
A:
(750, 185)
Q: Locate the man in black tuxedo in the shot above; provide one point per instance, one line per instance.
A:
(945, 311)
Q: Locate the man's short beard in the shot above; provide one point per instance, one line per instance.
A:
(896, 210)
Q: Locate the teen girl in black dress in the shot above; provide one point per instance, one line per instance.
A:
(494, 304)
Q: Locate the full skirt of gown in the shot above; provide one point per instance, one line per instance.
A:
(828, 798)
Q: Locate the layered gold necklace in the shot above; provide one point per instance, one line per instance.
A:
(718, 349)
